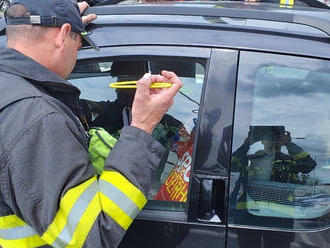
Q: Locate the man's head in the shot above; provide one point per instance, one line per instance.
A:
(48, 31)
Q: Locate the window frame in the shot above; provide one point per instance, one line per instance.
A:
(201, 55)
(250, 95)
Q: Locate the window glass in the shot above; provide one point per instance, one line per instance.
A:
(106, 107)
(280, 170)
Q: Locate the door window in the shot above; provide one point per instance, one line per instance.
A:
(109, 108)
(280, 168)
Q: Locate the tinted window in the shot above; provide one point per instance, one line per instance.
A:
(281, 143)
(107, 107)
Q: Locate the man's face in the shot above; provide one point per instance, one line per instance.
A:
(73, 44)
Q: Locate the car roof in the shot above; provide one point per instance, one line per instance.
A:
(305, 3)
(259, 26)
(241, 25)
(309, 16)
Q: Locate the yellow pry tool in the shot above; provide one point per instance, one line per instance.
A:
(132, 85)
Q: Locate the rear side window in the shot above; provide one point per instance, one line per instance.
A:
(107, 107)
(280, 169)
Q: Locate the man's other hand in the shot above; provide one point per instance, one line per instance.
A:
(149, 104)
(89, 18)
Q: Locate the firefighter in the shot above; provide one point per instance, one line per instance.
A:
(267, 165)
(49, 193)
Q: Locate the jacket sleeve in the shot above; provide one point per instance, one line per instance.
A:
(303, 161)
(51, 187)
(239, 158)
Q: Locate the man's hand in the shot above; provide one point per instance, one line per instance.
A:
(250, 140)
(285, 139)
(150, 105)
(82, 7)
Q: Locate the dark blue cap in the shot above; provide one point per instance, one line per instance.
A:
(52, 13)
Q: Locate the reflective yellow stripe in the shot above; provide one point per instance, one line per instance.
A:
(78, 211)
(241, 205)
(86, 223)
(29, 242)
(283, 209)
(300, 155)
(66, 204)
(125, 186)
(287, 2)
(28, 238)
(286, 6)
(115, 212)
(10, 221)
(132, 199)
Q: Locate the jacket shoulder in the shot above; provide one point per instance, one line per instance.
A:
(16, 88)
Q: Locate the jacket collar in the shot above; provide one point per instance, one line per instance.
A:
(14, 62)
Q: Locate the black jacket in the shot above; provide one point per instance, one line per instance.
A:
(46, 179)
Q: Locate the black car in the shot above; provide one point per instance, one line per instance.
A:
(248, 136)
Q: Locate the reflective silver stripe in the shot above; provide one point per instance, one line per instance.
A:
(75, 215)
(20, 232)
(119, 198)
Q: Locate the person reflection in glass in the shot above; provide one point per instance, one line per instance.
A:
(250, 202)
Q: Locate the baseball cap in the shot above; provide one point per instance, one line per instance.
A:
(52, 13)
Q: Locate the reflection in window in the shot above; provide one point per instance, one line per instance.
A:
(110, 108)
(281, 143)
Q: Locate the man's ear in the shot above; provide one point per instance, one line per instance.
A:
(63, 33)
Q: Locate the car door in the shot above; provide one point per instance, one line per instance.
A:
(187, 198)
(279, 183)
